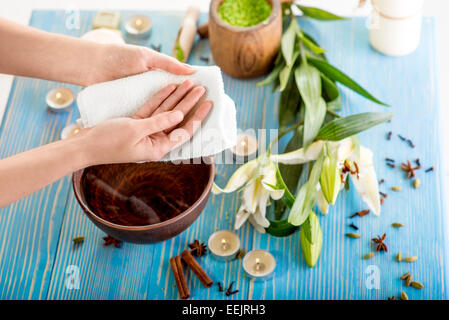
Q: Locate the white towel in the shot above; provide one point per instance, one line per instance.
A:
(123, 97)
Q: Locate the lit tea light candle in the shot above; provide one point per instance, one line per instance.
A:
(138, 26)
(259, 264)
(59, 98)
(69, 131)
(246, 146)
(224, 245)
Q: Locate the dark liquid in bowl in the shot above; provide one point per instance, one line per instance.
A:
(142, 194)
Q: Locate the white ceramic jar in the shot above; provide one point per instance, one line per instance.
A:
(395, 27)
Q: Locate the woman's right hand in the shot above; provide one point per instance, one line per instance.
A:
(152, 132)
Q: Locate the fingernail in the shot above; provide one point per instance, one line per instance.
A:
(176, 116)
(202, 90)
(188, 83)
(211, 104)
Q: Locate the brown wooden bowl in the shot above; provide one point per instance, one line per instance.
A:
(245, 52)
(189, 184)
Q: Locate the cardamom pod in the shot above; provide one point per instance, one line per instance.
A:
(416, 183)
(411, 259)
(396, 188)
(408, 280)
(368, 255)
(78, 240)
(417, 285)
(399, 257)
(404, 296)
(353, 235)
(397, 225)
(405, 275)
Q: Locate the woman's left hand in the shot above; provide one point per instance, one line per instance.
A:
(124, 60)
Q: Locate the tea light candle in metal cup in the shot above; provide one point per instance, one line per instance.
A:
(59, 99)
(259, 264)
(69, 131)
(138, 26)
(246, 147)
(224, 245)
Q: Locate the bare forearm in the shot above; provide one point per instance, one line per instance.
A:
(30, 52)
(27, 172)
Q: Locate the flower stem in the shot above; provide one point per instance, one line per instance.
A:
(283, 132)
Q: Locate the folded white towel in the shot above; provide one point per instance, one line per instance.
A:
(123, 97)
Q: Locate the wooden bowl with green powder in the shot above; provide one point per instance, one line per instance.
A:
(245, 35)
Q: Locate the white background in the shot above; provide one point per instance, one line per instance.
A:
(20, 10)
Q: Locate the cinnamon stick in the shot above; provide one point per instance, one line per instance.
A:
(180, 279)
(196, 268)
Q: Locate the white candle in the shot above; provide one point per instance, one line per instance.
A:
(246, 146)
(224, 244)
(69, 131)
(395, 26)
(59, 98)
(138, 26)
(259, 264)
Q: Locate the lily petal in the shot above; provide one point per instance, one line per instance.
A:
(259, 215)
(250, 196)
(366, 184)
(256, 226)
(299, 156)
(269, 179)
(238, 178)
(240, 218)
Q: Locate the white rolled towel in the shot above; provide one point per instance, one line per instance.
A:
(123, 97)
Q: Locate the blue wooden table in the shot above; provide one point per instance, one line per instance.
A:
(36, 249)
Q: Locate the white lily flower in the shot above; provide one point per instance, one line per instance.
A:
(365, 182)
(256, 177)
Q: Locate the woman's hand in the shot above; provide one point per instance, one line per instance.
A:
(152, 132)
(27, 51)
(120, 61)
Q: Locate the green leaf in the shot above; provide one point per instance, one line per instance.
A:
(311, 45)
(311, 39)
(342, 128)
(329, 88)
(307, 195)
(272, 76)
(291, 173)
(319, 14)
(311, 238)
(309, 84)
(288, 42)
(288, 104)
(281, 228)
(336, 75)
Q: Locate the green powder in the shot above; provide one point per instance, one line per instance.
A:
(244, 13)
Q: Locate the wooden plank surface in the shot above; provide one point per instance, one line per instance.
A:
(35, 242)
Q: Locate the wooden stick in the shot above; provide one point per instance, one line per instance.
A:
(186, 34)
(180, 279)
(196, 268)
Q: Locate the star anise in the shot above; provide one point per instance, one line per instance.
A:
(197, 248)
(392, 298)
(381, 246)
(409, 170)
(110, 240)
